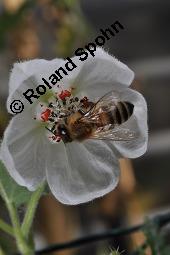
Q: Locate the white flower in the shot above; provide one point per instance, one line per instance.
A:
(76, 172)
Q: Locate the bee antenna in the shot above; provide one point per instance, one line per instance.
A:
(50, 130)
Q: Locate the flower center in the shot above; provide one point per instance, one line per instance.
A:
(55, 114)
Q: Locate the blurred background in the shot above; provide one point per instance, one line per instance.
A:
(50, 28)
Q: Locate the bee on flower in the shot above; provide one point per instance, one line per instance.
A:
(74, 135)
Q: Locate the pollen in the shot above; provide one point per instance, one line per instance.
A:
(64, 94)
(45, 115)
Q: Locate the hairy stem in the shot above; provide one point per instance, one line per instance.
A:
(31, 208)
(2, 252)
(22, 245)
(6, 228)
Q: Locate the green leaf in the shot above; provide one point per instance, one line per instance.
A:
(155, 238)
(11, 190)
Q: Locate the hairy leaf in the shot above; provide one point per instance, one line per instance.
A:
(8, 187)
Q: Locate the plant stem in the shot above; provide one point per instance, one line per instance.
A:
(31, 208)
(6, 228)
(21, 243)
(1, 251)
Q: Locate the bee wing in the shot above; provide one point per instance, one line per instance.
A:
(115, 134)
(108, 99)
(104, 104)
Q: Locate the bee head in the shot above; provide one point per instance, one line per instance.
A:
(64, 133)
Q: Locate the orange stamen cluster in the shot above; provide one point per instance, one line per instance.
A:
(64, 94)
(45, 115)
(59, 108)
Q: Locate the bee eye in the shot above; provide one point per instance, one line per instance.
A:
(63, 132)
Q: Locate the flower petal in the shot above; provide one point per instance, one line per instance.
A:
(28, 75)
(23, 151)
(80, 172)
(98, 75)
(137, 123)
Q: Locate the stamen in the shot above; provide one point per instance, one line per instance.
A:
(58, 139)
(85, 102)
(53, 129)
(55, 138)
(50, 105)
(62, 105)
(51, 119)
(76, 99)
(64, 94)
(45, 115)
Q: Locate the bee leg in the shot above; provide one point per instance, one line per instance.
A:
(81, 112)
(50, 130)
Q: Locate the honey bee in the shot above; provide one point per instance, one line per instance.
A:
(102, 120)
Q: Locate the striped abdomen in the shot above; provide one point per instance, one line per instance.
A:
(121, 113)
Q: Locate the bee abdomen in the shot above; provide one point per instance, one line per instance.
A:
(122, 112)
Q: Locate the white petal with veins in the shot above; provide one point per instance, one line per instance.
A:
(22, 154)
(101, 73)
(28, 75)
(80, 172)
